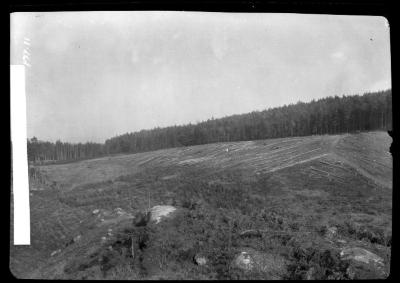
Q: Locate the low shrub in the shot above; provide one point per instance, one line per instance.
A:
(374, 235)
(312, 263)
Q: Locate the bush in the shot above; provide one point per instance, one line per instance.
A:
(374, 235)
(312, 263)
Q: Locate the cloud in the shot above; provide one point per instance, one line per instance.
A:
(338, 55)
(176, 35)
(57, 44)
(134, 56)
(381, 85)
(179, 67)
(219, 44)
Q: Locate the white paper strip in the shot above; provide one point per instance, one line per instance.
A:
(19, 156)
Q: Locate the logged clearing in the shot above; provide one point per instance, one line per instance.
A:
(282, 206)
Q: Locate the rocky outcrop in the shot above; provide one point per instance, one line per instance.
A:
(155, 215)
(363, 264)
(160, 211)
(361, 255)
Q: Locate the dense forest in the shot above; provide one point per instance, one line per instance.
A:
(331, 115)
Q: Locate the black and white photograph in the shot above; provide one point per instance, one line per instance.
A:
(189, 145)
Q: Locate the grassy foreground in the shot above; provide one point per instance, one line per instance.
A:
(288, 194)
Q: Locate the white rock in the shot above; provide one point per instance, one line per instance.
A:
(361, 255)
(96, 211)
(159, 211)
(332, 230)
(244, 261)
(200, 260)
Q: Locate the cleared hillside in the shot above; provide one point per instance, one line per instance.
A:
(295, 188)
(365, 152)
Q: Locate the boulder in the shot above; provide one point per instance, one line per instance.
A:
(244, 261)
(96, 211)
(155, 214)
(363, 264)
(200, 260)
(160, 211)
(361, 255)
(119, 211)
(77, 238)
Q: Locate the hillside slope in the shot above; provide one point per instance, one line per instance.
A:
(266, 156)
(297, 187)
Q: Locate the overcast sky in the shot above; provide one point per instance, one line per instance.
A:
(94, 75)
